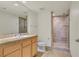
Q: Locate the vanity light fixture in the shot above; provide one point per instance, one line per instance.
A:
(23, 1)
(54, 14)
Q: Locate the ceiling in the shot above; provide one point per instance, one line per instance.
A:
(58, 7)
(9, 7)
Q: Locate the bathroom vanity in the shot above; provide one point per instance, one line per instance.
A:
(22, 46)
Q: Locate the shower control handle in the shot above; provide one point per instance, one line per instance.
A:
(77, 40)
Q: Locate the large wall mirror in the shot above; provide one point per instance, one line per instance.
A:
(22, 25)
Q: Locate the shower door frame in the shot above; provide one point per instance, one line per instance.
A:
(52, 31)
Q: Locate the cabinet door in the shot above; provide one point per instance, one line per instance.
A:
(11, 47)
(34, 48)
(1, 52)
(27, 51)
(15, 54)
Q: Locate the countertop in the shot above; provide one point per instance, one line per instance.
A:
(14, 37)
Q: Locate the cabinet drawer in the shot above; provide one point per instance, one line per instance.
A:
(34, 39)
(26, 42)
(11, 48)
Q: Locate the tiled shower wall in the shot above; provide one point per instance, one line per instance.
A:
(60, 29)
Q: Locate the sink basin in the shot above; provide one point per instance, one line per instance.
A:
(20, 36)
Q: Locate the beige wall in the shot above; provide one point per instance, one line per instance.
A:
(8, 23)
(44, 27)
(32, 22)
(74, 28)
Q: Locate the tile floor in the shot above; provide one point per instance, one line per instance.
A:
(59, 50)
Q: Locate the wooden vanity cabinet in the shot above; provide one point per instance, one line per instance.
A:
(26, 48)
(1, 51)
(22, 48)
(27, 51)
(30, 47)
(12, 49)
(34, 49)
(34, 46)
(16, 53)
